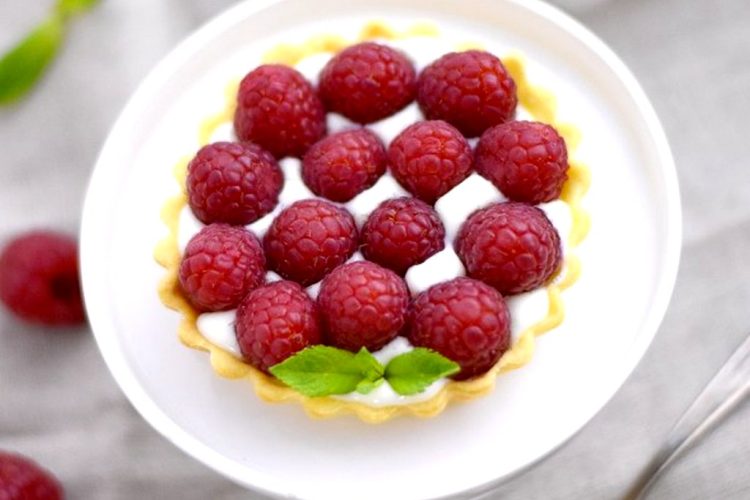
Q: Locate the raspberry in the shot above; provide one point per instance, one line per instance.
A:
(362, 305)
(510, 246)
(527, 161)
(429, 159)
(477, 218)
(464, 320)
(342, 165)
(274, 322)
(220, 266)
(233, 183)
(308, 239)
(279, 110)
(39, 278)
(22, 479)
(367, 82)
(470, 90)
(401, 233)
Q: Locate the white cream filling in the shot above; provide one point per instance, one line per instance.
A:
(218, 328)
(454, 207)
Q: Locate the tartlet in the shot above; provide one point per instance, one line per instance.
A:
(537, 101)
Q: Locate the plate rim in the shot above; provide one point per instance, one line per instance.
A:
(105, 332)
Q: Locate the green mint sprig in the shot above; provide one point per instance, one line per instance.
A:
(25, 63)
(412, 372)
(324, 371)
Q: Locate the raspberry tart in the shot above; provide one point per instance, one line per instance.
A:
(376, 226)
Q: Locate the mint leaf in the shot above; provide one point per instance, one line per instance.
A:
(24, 64)
(367, 386)
(373, 372)
(372, 368)
(412, 372)
(322, 371)
(68, 7)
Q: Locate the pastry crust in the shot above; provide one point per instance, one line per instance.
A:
(540, 102)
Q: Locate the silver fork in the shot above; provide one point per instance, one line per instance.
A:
(722, 394)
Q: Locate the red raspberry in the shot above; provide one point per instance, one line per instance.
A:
(362, 305)
(308, 239)
(274, 322)
(279, 110)
(465, 321)
(401, 233)
(429, 159)
(470, 90)
(233, 183)
(527, 161)
(510, 246)
(22, 479)
(39, 278)
(477, 218)
(342, 165)
(220, 266)
(367, 82)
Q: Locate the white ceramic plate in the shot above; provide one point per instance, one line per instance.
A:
(629, 265)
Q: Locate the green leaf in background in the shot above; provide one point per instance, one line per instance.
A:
(68, 7)
(22, 66)
(322, 370)
(413, 371)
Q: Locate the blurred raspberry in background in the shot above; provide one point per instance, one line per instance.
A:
(39, 278)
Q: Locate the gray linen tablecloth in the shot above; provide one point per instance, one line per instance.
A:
(59, 404)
